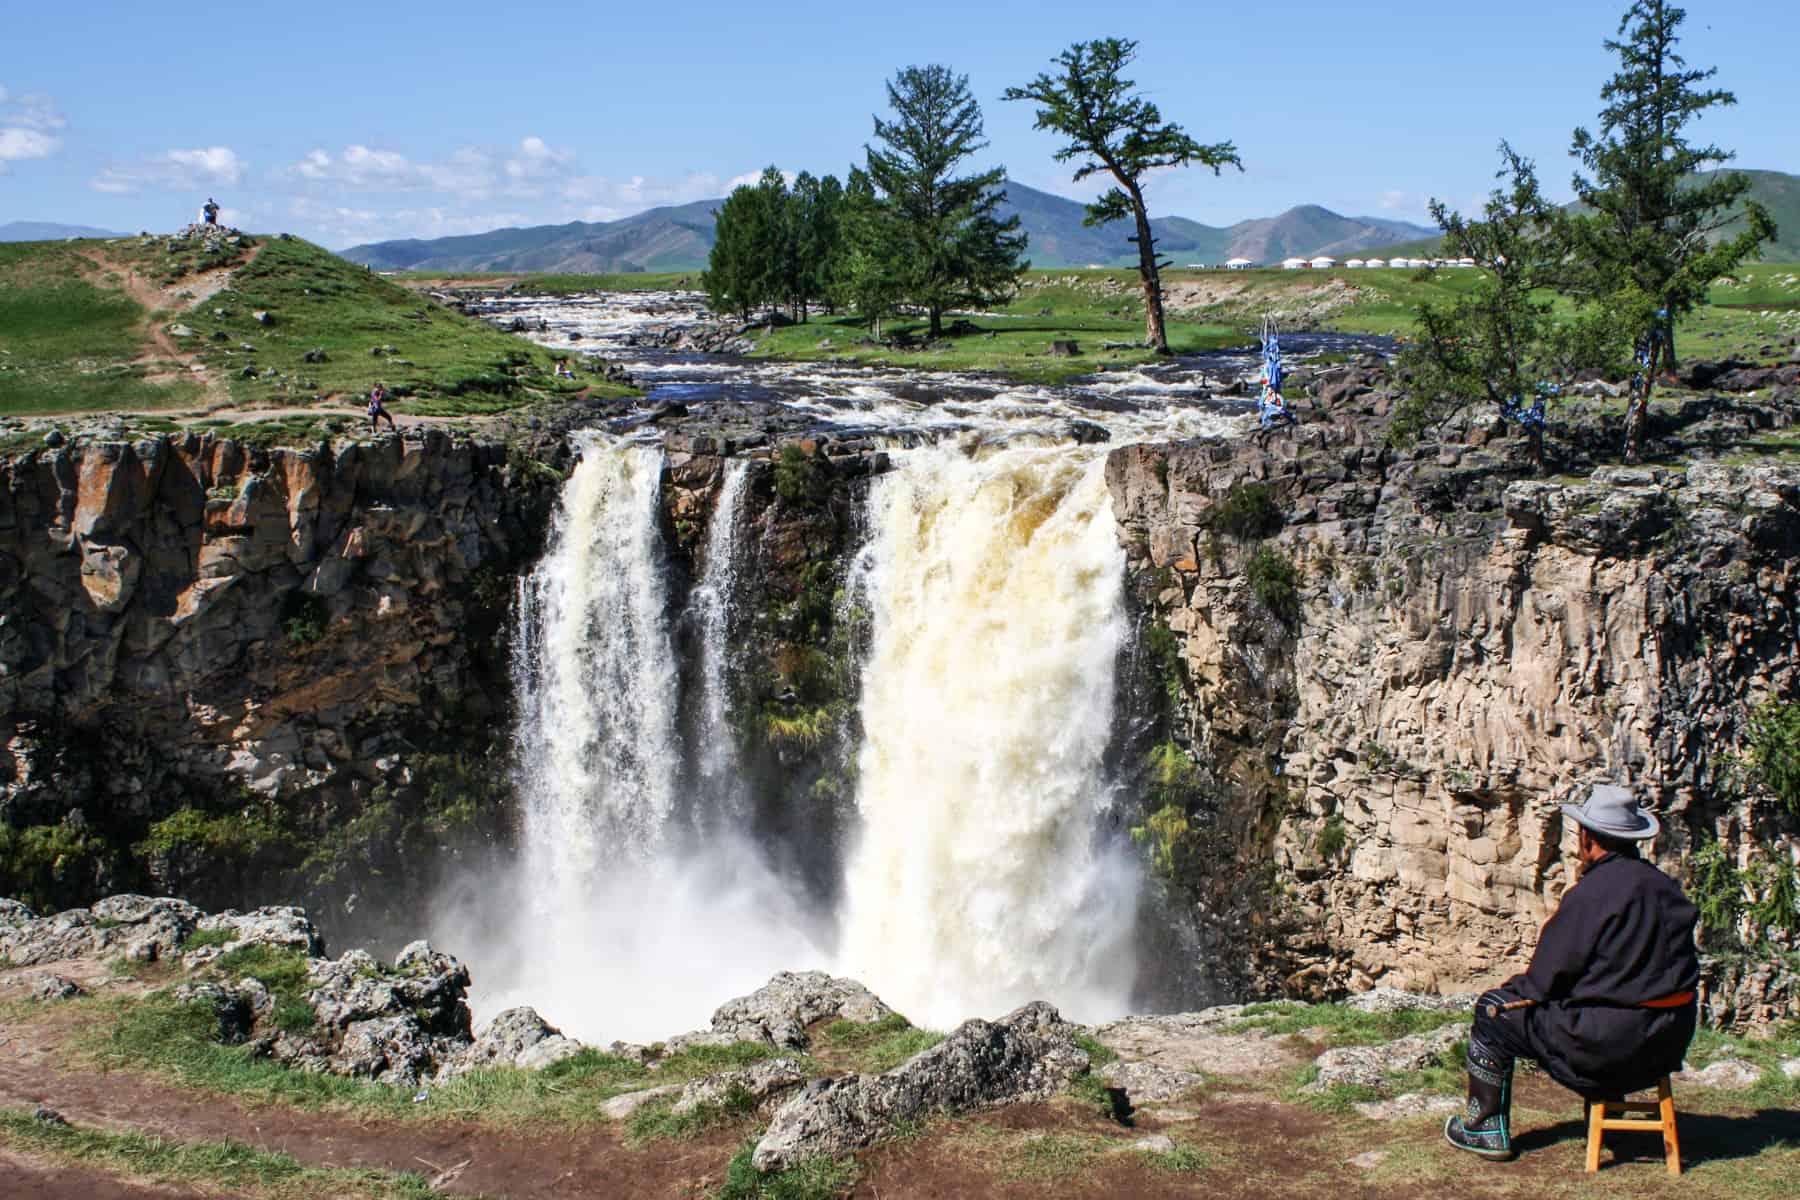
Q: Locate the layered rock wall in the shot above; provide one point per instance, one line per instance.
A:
(198, 623)
(1469, 650)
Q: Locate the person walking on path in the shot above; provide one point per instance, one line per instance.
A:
(1607, 1005)
(378, 409)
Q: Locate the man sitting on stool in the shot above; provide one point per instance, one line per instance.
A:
(1607, 1005)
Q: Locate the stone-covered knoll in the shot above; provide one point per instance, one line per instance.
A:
(1393, 690)
(196, 627)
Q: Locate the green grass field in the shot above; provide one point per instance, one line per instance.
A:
(76, 335)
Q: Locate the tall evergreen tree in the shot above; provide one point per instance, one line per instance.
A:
(732, 279)
(1646, 245)
(869, 272)
(954, 248)
(819, 217)
(1124, 135)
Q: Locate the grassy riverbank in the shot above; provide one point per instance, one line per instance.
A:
(273, 330)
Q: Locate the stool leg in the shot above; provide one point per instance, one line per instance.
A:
(1671, 1142)
(1596, 1115)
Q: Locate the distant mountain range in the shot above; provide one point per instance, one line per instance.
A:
(1776, 191)
(46, 231)
(679, 239)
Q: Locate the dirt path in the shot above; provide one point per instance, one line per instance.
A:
(22, 1175)
(473, 1159)
(167, 360)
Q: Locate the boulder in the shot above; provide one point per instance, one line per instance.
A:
(1386, 999)
(1030, 1054)
(425, 986)
(1148, 1081)
(620, 1107)
(50, 986)
(232, 1011)
(1732, 1073)
(1790, 1068)
(139, 928)
(762, 1082)
(1370, 1066)
(386, 1049)
(518, 1037)
(283, 927)
(779, 1012)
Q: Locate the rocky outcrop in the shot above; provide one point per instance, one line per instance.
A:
(198, 627)
(1373, 1066)
(518, 1037)
(780, 1011)
(135, 928)
(1399, 679)
(1029, 1054)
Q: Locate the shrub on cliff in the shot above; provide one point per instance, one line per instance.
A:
(1275, 583)
(1247, 513)
(799, 478)
(1775, 751)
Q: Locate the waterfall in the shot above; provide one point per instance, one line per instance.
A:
(611, 925)
(980, 880)
(597, 694)
(716, 754)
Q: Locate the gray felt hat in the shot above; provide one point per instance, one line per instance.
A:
(1614, 811)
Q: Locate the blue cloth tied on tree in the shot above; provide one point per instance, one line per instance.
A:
(1532, 418)
(1271, 409)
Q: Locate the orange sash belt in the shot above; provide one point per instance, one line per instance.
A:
(1672, 1000)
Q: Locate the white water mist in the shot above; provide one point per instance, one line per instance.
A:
(979, 881)
(614, 925)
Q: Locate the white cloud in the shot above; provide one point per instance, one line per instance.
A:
(530, 170)
(343, 225)
(174, 170)
(1393, 201)
(28, 125)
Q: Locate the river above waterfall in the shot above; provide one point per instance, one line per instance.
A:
(1187, 396)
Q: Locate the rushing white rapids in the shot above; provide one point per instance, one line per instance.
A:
(978, 881)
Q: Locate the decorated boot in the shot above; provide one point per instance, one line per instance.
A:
(1485, 1125)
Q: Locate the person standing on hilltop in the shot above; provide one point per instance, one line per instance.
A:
(1607, 1005)
(378, 409)
(209, 213)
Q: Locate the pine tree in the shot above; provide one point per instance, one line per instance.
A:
(1113, 131)
(819, 205)
(869, 271)
(1646, 245)
(1499, 340)
(954, 249)
(730, 280)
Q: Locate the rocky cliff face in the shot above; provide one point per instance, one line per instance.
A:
(1395, 667)
(218, 653)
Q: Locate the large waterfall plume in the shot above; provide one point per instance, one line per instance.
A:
(617, 922)
(981, 877)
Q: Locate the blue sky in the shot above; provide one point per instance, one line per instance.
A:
(353, 122)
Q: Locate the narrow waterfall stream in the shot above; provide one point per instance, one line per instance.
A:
(979, 881)
(713, 601)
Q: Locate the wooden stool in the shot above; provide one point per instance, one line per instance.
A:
(1637, 1116)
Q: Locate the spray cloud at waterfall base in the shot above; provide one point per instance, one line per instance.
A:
(617, 921)
(983, 875)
